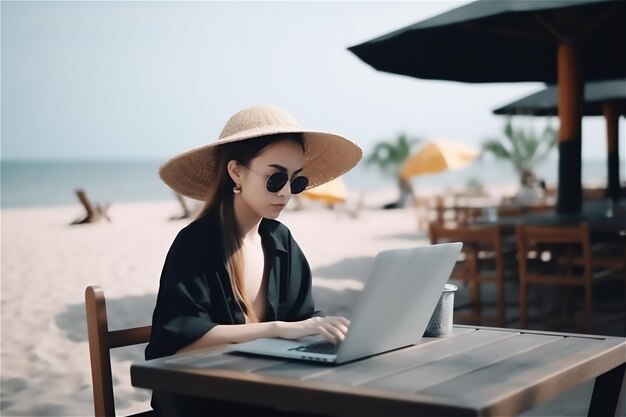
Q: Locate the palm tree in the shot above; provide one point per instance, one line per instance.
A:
(522, 148)
(388, 157)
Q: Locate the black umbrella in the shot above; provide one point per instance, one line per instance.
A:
(607, 98)
(565, 42)
(596, 95)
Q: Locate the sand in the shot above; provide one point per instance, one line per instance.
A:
(46, 265)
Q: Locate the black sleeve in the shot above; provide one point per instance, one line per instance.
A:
(302, 305)
(181, 315)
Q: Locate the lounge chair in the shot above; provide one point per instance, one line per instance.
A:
(94, 212)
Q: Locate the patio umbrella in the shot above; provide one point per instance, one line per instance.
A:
(332, 192)
(596, 95)
(606, 98)
(564, 42)
(437, 156)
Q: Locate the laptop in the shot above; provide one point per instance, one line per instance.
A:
(392, 312)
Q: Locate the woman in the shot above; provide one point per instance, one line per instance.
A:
(236, 274)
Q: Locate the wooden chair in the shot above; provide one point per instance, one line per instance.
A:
(483, 261)
(513, 210)
(101, 341)
(423, 207)
(465, 215)
(187, 212)
(563, 256)
(452, 213)
(94, 212)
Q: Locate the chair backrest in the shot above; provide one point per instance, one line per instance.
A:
(471, 234)
(565, 244)
(475, 239)
(513, 209)
(101, 341)
(454, 214)
(553, 234)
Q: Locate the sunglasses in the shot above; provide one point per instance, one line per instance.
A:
(277, 181)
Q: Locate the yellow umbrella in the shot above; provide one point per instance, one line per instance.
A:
(332, 192)
(437, 156)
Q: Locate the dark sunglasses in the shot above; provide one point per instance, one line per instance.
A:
(277, 181)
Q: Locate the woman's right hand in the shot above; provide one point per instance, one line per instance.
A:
(332, 328)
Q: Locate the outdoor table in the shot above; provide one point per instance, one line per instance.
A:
(605, 225)
(595, 214)
(476, 371)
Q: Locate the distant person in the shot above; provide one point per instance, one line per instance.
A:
(543, 185)
(236, 274)
(531, 190)
(407, 196)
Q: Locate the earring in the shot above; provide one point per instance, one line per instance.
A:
(237, 189)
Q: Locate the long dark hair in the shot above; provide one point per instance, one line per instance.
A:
(220, 197)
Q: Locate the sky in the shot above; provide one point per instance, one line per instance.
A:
(148, 80)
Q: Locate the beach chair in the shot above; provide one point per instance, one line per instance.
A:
(101, 341)
(94, 212)
(187, 211)
(183, 204)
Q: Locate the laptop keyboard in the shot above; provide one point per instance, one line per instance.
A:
(320, 347)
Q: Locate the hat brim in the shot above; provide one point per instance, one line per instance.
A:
(326, 157)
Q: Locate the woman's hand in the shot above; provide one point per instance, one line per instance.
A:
(332, 328)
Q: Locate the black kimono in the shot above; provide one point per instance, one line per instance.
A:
(195, 293)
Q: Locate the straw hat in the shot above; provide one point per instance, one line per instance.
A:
(326, 155)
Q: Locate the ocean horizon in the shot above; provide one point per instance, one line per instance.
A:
(53, 183)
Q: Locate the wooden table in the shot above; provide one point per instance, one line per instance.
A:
(594, 213)
(477, 371)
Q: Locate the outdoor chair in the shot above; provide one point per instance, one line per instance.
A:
(423, 207)
(512, 210)
(564, 257)
(485, 259)
(189, 210)
(451, 213)
(101, 341)
(94, 212)
(467, 214)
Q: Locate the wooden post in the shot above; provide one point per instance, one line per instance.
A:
(613, 190)
(570, 98)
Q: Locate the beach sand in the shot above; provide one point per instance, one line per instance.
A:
(46, 265)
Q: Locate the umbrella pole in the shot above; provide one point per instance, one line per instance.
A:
(612, 127)
(569, 200)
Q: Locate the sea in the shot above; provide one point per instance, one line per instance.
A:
(53, 183)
